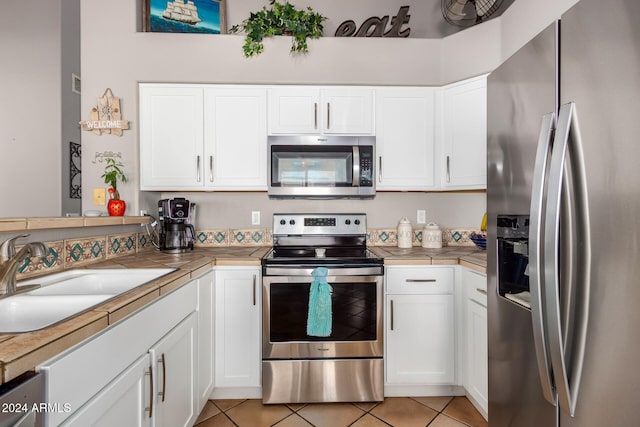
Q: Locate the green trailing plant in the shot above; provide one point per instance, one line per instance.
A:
(112, 174)
(280, 19)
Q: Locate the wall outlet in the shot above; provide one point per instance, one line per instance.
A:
(255, 218)
(143, 212)
(421, 216)
(99, 196)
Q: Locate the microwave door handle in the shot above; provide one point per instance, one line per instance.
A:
(536, 271)
(567, 183)
(356, 167)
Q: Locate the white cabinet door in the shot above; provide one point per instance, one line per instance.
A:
(238, 355)
(476, 353)
(124, 402)
(235, 138)
(405, 138)
(294, 110)
(420, 339)
(205, 338)
(174, 358)
(347, 110)
(171, 137)
(314, 110)
(464, 134)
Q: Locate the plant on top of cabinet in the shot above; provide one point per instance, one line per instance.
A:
(281, 19)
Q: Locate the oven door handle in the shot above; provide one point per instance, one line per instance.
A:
(298, 272)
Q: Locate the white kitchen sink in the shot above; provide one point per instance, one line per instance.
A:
(24, 313)
(63, 295)
(95, 281)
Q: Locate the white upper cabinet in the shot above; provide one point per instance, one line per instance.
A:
(171, 137)
(464, 135)
(315, 110)
(405, 138)
(235, 138)
(203, 137)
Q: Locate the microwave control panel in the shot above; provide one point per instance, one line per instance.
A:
(366, 166)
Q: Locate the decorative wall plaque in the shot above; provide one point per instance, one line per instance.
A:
(375, 27)
(106, 116)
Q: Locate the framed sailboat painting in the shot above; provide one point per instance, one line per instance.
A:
(184, 16)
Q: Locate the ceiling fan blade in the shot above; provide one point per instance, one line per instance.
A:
(485, 6)
(456, 8)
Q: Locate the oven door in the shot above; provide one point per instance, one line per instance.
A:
(356, 316)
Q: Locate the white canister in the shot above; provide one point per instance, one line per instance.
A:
(431, 236)
(405, 233)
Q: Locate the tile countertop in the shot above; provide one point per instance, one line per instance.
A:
(20, 353)
(468, 256)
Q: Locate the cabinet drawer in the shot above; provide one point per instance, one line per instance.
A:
(475, 286)
(419, 280)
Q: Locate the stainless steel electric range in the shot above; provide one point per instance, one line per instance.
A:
(346, 365)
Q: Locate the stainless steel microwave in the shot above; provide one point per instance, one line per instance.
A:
(321, 166)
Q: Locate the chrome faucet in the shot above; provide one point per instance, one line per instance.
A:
(10, 261)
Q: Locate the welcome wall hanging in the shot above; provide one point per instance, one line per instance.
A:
(106, 116)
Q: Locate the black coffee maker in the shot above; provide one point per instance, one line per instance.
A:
(177, 217)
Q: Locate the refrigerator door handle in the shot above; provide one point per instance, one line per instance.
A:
(536, 276)
(568, 274)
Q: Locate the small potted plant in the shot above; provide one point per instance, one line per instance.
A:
(281, 19)
(112, 174)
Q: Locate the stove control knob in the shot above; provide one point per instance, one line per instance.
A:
(292, 222)
(348, 222)
(283, 222)
(356, 222)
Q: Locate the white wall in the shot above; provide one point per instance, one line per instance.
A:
(30, 108)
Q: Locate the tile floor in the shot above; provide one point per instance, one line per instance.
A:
(394, 411)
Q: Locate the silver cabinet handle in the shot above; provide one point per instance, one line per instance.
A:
(482, 291)
(210, 168)
(328, 115)
(448, 168)
(198, 168)
(567, 196)
(151, 396)
(164, 376)
(254, 288)
(391, 314)
(315, 115)
(536, 277)
(420, 280)
(379, 168)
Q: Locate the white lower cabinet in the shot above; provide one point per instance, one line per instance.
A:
(174, 360)
(141, 371)
(238, 354)
(121, 403)
(476, 354)
(420, 330)
(205, 338)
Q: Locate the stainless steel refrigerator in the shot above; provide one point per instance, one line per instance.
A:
(563, 202)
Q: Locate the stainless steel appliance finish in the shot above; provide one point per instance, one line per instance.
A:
(309, 166)
(347, 365)
(563, 126)
(17, 399)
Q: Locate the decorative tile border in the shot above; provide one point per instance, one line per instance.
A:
(77, 252)
(254, 237)
(122, 244)
(52, 263)
(208, 238)
(84, 251)
(450, 237)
